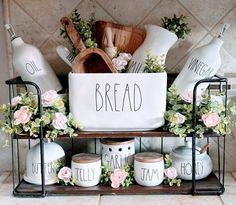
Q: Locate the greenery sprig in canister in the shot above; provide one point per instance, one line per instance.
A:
(85, 29)
(124, 176)
(171, 176)
(177, 25)
(154, 64)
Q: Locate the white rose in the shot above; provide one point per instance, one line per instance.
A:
(119, 63)
(59, 122)
(15, 101)
(49, 97)
(180, 119)
(125, 56)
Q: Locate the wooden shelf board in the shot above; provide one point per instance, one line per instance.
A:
(115, 134)
(210, 185)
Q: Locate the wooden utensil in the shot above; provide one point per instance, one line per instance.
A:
(126, 39)
(89, 60)
(110, 49)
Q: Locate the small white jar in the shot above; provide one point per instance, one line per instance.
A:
(86, 169)
(148, 168)
(117, 152)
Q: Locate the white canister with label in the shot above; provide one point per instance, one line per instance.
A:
(148, 168)
(117, 152)
(86, 169)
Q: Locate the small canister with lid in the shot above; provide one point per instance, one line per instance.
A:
(86, 169)
(148, 168)
(117, 152)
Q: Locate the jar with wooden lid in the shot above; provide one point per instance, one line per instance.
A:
(86, 169)
(148, 168)
(117, 152)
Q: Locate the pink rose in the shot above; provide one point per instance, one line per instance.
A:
(65, 174)
(125, 56)
(15, 101)
(180, 119)
(188, 97)
(171, 173)
(118, 177)
(22, 116)
(211, 119)
(119, 63)
(49, 97)
(59, 122)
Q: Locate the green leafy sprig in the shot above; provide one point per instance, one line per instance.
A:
(106, 174)
(177, 25)
(178, 107)
(171, 182)
(32, 126)
(85, 29)
(154, 64)
(59, 164)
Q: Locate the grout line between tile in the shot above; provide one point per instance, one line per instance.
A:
(7, 19)
(189, 51)
(222, 201)
(4, 176)
(25, 11)
(99, 200)
(194, 16)
(227, 13)
(149, 12)
(101, 6)
(233, 176)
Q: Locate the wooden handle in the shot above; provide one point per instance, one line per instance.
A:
(204, 148)
(73, 34)
(108, 34)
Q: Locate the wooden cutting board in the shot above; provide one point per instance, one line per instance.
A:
(126, 39)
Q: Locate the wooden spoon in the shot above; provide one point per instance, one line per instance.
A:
(89, 60)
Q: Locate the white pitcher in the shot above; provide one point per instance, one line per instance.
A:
(158, 40)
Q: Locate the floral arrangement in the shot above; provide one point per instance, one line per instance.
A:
(121, 61)
(154, 64)
(124, 176)
(210, 115)
(64, 174)
(171, 176)
(85, 29)
(177, 25)
(21, 116)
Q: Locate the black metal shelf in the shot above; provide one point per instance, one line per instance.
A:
(210, 185)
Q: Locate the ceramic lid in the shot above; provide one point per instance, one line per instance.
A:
(148, 157)
(186, 149)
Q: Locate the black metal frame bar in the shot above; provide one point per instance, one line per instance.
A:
(11, 83)
(217, 79)
(43, 193)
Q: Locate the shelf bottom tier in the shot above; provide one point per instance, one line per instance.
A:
(209, 186)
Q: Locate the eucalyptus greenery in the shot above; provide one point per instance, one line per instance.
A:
(106, 174)
(31, 125)
(179, 114)
(177, 25)
(154, 64)
(85, 29)
(171, 182)
(59, 165)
